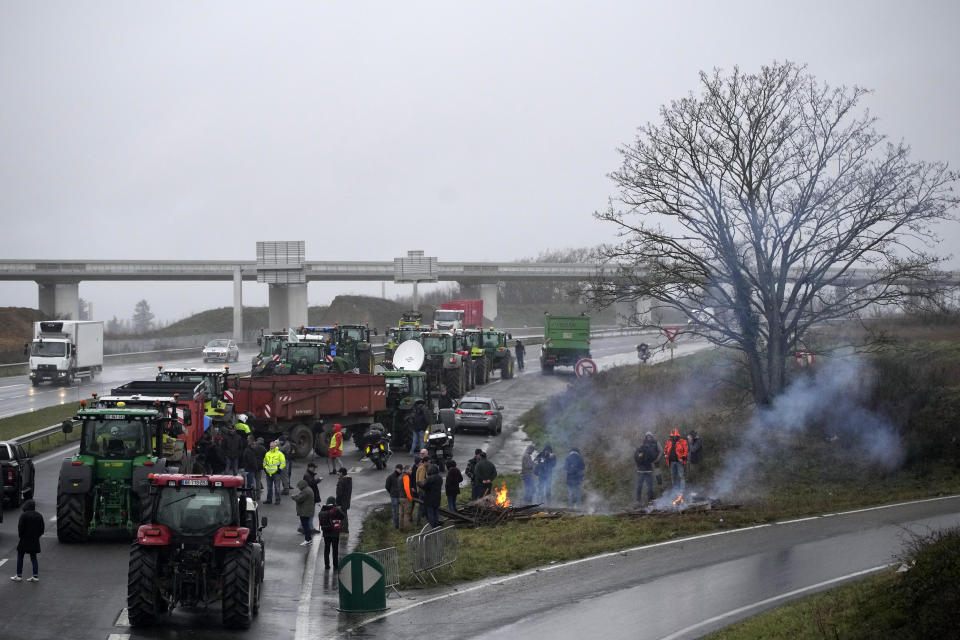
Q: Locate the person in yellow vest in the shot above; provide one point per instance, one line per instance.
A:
(274, 463)
(336, 449)
(242, 427)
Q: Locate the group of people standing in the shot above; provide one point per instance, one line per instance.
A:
(333, 519)
(537, 475)
(679, 454)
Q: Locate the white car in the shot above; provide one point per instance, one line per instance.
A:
(222, 349)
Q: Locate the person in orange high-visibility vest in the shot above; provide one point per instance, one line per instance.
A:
(675, 456)
(407, 491)
(336, 449)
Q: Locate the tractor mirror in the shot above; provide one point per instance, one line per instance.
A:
(259, 341)
(175, 429)
(187, 415)
(67, 426)
(263, 522)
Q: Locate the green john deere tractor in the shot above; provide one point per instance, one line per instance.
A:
(353, 345)
(498, 354)
(106, 484)
(395, 336)
(444, 364)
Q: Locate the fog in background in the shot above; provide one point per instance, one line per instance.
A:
(473, 131)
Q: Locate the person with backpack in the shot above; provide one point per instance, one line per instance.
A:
(331, 521)
(646, 455)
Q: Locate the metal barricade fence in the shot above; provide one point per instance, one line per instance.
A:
(431, 549)
(391, 566)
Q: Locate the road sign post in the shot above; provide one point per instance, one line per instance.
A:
(362, 584)
(671, 333)
(585, 367)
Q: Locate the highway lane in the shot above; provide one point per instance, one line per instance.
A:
(18, 395)
(85, 585)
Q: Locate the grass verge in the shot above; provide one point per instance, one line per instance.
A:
(24, 423)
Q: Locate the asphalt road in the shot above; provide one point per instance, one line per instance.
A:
(708, 581)
(18, 395)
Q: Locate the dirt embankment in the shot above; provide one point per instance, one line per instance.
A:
(16, 329)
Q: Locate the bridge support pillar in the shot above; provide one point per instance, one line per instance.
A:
(60, 300)
(489, 294)
(634, 312)
(288, 305)
(237, 306)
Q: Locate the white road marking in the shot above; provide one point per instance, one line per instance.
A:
(3, 562)
(516, 576)
(118, 636)
(799, 520)
(782, 596)
(123, 620)
(53, 519)
(65, 454)
(306, 593)
(369, 493)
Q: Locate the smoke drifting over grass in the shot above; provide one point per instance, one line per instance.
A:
(822, 415)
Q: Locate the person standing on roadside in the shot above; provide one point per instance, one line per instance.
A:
(694, 453)
(344, 494)
(273, 464)
(231, 447)
(306, 508)
(646, 455)
(575, 468)
(526, 474)
(452, 484)
(675, 455)
(288, 449)
(408, 488)
(335, 449)
(331, 523)
(521, 352)
(543, 467)
(393, 488)
(420, 475)
(260, 451)
(249, 463)
(420, 424)
(486, 472)
(432, 487)
(30, 527)
(475, 490)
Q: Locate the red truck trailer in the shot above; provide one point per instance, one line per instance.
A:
(472, 315)
(306, 407)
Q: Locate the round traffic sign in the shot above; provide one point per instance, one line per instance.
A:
(585, 367)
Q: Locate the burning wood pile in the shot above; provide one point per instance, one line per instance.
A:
(493, 509)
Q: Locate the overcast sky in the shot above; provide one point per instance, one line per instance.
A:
(473, 131)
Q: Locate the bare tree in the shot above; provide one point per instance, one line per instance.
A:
(766, 205)
(142, 317)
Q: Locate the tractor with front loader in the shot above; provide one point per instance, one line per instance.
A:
(203, 545)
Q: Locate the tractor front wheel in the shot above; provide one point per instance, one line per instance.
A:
(144, 603)
(302, 437)
(73, 517)
(239, 588)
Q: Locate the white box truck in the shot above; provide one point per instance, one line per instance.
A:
(64, 350)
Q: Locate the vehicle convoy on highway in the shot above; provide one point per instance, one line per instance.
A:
(203, 545)
(566, 341)
(17, 476)
(105, 484)
(221, 349)
(64, 350)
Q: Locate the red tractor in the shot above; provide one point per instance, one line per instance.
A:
(204, 545)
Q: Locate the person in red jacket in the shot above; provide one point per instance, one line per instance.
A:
(335, 450)
(675, 455)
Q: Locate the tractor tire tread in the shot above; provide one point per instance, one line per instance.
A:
(143, 597)
(71, 517)
(238, 580)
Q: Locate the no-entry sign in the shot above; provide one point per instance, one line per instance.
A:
(585, 367)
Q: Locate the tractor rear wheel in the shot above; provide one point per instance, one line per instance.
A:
(453, 380)
(144, 603)
(482, 371)
(506, 371)
(73, 517)
(302, 438)
(239, 588)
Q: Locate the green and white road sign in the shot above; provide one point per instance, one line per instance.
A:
(362, 584)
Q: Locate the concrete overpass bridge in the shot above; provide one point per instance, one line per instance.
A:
(281, 265)
(286, 274)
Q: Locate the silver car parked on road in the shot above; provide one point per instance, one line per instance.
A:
(476, 412)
